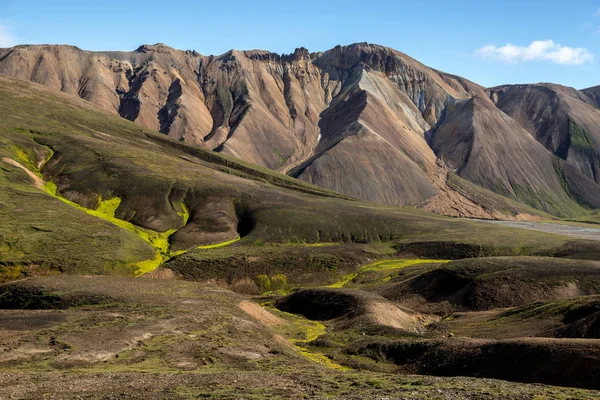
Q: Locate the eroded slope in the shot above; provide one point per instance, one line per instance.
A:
(353, 119)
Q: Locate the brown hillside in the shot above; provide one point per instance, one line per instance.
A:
(306, 113)
(359, 119)
(562, 119)
(486, 147)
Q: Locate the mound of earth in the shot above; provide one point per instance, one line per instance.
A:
(573, 318)
(32, 296)
(562, 362)
(582, 321)
(577, 318)
(497, 282)
(345, 308)
(441, 250)
(309, 264)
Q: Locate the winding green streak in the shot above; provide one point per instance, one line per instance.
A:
(221, 244)
(106, 211)
(385, 265)
(300, 331)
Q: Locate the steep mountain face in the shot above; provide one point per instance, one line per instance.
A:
(352, 119)
(564, 120)
(364, 120)
(485, 146)
(84, 191)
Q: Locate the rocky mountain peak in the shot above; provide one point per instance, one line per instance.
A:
(157, 48)
(300, 53)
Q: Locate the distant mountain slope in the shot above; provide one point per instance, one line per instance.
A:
(593, 94)
(562, 119)
(485, 146)
(360, 119)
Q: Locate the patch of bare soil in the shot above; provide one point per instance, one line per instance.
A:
(152, 321)
(20, 320)
(38, 182)
(449, 202)
(528, 217)
(260, 314)
(160, 273)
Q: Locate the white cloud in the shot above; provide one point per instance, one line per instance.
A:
(540, 50)
(6, 38)
(597, 13)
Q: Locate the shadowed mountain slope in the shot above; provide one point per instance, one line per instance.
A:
(486, 147)
(565, 121)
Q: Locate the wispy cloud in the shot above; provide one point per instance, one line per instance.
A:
(597, 13)
(540, 50)
(7, 39)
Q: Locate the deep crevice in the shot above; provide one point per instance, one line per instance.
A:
(246, 221)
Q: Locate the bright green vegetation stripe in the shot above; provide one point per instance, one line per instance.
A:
(217, 245)
(106, 211)
(304, 244)
(345, 279)
(397, 264)
(24, 158)
(300, 331)
(159, 240)
(385, 265)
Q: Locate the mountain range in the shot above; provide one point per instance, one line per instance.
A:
(363, 120)
(136, 260)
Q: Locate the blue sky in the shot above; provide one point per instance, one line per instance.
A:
(551, 41)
